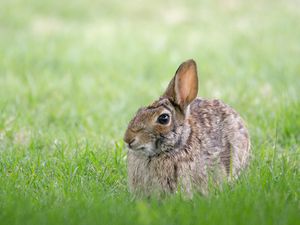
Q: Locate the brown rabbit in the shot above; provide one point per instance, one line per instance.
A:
(181, 142)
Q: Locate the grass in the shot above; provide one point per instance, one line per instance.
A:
(73, 73)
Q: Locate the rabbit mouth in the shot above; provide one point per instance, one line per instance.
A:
(146, 150)
(140, 148)
(136, 148)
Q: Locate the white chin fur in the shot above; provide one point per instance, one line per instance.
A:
(148, 150)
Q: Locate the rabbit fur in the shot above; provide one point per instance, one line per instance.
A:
(181, 142)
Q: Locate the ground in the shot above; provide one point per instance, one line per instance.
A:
(72, 74)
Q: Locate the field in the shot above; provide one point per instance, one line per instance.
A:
(73, 73)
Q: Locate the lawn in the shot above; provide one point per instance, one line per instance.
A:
(73, 73)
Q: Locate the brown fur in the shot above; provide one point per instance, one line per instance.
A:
(204, 140)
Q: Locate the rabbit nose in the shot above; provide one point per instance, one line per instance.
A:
(131, 142)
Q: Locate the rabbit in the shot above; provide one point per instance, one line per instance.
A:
(182, 143)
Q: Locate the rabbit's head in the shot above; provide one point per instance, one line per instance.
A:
(162, 127)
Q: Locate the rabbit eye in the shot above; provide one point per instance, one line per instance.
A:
(163, 119)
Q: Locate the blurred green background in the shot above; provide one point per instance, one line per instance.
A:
(73, 73)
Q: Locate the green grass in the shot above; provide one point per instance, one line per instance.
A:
(72, 74)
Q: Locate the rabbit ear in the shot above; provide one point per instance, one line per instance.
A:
(183, 88)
